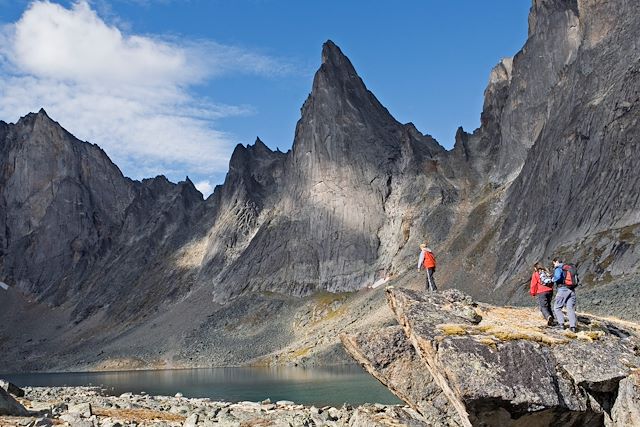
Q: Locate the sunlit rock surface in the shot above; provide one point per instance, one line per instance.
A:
(503, 367)
(96, 261)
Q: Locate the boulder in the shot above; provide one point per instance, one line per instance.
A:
(499, 365)
(626, 410)
(82, 409)
(75, 420)
(388, 355)
(11, 388)
(10, 406)
(369, 416)
(191, 421)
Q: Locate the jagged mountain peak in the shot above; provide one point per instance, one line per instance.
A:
(187, 183)
(258, 142)
(545, 8)
(41, 118)
(332, 56)
(337, 77)
(252, 160)
(260, 148)
(338, 99)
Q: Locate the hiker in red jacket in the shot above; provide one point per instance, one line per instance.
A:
(542, 290)
(427, 261)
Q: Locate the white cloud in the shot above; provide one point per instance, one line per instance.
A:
(131, 94)
(204, 187)
(51, 41)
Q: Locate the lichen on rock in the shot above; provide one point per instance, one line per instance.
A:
(508, 369)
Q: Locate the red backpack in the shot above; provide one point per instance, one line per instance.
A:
(570, 273)
(429, 259)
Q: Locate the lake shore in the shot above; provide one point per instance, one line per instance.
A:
(92, 407)
(331, 386)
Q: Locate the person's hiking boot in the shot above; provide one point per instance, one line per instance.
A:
(573, 329)
(551, 321)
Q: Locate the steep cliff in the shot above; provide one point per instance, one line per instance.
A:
(559, 134)
(579, 178)
(325, 230)
(61, 201)
(77, 233)
(550, 171)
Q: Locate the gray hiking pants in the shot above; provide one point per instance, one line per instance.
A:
(544, 302)
(565, 297)
(431, 282)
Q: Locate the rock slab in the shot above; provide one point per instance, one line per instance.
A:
(10, 406)
(11, 388)
(501, 366)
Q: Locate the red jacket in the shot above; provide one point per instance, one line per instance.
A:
(427, 259)
(537, 287)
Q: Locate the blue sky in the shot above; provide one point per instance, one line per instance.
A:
(171, 86)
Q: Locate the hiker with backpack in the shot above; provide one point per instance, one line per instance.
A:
(427, 261)
(565, 276)
(542, 289)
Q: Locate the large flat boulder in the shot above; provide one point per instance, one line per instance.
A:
(626, 410)
(11, 388)
(500, 366)
(388, 355)
(10, 406)
(508, 368)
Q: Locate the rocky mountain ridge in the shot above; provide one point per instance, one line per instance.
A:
(550, 171)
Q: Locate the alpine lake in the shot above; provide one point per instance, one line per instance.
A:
(317, 386)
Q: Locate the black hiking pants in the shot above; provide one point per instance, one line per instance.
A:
(544, 302)
(431, 282)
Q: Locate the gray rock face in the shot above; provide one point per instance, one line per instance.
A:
(9, 406)
(554, 38)
(11, 388)
(74, 227)
(324, 231)
(550, 171)
(626, 410)
(580, 178)
(390, 357)
(61, 200)
(498, 372)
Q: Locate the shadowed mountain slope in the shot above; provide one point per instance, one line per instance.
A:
(550, 171)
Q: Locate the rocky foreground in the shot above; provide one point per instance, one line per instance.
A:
(461, 363)
(90, 407)
(455, 362)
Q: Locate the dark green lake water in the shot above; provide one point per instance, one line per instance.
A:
(311, 386)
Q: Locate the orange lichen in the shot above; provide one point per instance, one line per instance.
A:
(450, 329)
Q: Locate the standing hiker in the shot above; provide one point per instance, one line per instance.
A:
(565, 276)
(427, 261)
(542, 289)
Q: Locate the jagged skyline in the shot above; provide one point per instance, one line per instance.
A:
(87, 252)
(171, 87)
